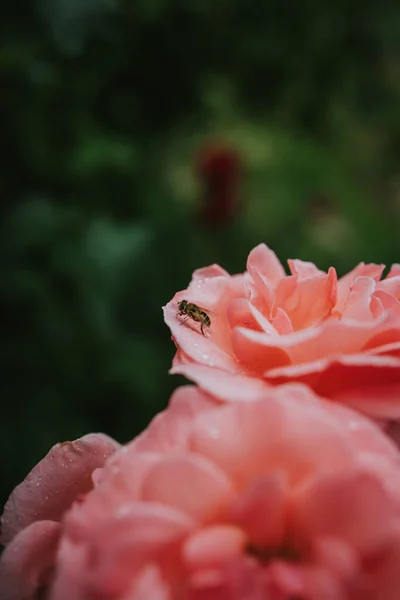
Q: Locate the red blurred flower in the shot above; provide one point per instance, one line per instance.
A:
(219, 169)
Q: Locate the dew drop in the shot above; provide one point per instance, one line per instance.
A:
(205, 356)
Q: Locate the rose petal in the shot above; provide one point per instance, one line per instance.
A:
(346, 507)
(349, 379)
(54, 483)
(170, 428)
(27, 560)
(261, 511)
(135, 534)
(281, 322)
(242, 313)
(257, 351)
(208, 272)
(265, 262)
(389, 302)
(149, 584)
(224, 386)
(358, 303)
(213, 545)
(303, 269)
(190, 483)
(379, 401)
(394, 270)
(307, 301)
(345, 282)
(240, 437)
(362, 431)
(213, 348)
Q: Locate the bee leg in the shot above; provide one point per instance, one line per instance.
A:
(184, 320)
(202, 329)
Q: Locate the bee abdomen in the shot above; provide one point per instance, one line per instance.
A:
(206, 319)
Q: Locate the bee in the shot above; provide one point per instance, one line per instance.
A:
(197, 313)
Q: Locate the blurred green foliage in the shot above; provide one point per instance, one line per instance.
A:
(104, 105)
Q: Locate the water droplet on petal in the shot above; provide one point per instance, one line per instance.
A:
(205, 356)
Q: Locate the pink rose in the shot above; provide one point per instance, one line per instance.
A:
(284, 497)
(30, 524)
(341, 337)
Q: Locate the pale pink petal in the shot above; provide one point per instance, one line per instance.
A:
(362, 431)
(307, 302)
(286, 580)
(390, 285)
(240, 579)
(243, 455)
(199, 348)
(72, 571)
(54, 483)
(281, 322)
(337, 556)
(392, 349)
(347, 378)
(26, 562)
(358, 303)
(210, 271)
(149, 585)
(346, 507)
(394, 270)
(303, 269)
(213, 545)
(221, 385)
(332, 337)
(242, 313)
(261, 511)
(190, 483)
(300, 453)
(389, 302)
(213, 348)
(260, 293)
(257, 351)
(125, 471)
(170, 428)
(345, 282)
(264, 261)
(135, 534)
(380, 401)
(385, 335)
(302, 580)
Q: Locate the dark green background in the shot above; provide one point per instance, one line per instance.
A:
(104, 105)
